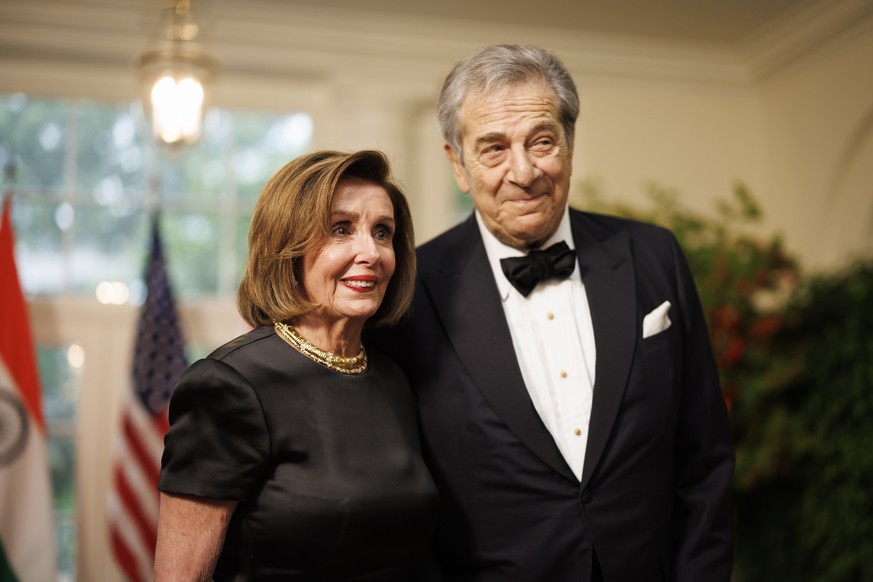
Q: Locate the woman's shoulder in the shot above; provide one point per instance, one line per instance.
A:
(247, 341)
(230, 368)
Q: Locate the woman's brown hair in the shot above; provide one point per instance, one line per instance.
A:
(292, 218)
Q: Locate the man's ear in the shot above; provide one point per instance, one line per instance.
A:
(457, 169)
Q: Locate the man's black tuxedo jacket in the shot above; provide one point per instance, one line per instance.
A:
(653, 503)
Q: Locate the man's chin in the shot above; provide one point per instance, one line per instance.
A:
(535, 233)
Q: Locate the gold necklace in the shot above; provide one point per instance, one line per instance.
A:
(341, 364)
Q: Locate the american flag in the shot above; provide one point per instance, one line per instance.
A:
(158, 362)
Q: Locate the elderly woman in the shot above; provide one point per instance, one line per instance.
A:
(293, 452)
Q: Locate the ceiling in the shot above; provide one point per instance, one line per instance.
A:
(711, 21)
(403, 47)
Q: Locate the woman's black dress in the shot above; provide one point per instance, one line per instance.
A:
(326, 467)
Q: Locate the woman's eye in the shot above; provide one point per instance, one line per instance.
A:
(340, 230)
(383, 234)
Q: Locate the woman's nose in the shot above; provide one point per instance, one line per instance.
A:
(366, 250)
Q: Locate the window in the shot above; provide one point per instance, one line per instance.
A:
(84, 175)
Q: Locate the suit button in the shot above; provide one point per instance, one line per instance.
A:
(585, 497)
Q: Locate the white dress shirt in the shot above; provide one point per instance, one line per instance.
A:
(554, 344)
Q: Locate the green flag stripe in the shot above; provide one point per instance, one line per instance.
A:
(6, 573)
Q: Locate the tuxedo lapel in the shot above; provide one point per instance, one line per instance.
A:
(608, 275)
(468, 303)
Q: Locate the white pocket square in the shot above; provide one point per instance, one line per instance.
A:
(657, 321)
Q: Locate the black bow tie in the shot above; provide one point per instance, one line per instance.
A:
(524, 273)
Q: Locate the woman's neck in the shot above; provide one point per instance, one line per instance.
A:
(341, 337)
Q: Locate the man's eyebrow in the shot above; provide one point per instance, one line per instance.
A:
(496, 136)
(490, 137)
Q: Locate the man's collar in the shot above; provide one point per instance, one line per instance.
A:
(497, 250)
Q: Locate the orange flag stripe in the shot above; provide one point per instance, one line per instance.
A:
(16, 343)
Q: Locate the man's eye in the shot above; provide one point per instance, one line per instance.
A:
(492, 155)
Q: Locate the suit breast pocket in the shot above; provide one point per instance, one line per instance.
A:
(657, 342)
(653, 384)
(657, 358)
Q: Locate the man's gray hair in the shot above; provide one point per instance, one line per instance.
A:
(498, 66)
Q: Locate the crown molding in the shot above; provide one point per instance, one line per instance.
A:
(355, 45)
(264, 38)
(802, 32)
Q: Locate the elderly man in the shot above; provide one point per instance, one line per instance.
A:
(569, 402)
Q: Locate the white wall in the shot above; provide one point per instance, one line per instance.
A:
(817, 150)
(696, 138)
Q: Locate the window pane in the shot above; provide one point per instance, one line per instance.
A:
(39, 245)
(191, 241)
(111, 160)
(109, 244)
(266, 142)
(33, 133)
(198, 176)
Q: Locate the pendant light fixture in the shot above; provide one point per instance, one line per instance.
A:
(175, 72)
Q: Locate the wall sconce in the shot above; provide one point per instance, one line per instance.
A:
(175, 72)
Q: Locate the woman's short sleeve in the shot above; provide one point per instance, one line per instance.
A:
(217, 445)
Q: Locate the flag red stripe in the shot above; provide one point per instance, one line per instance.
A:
(148, 465)
(146, 525)
(125, 557)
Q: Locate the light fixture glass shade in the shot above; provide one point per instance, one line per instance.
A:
(175, 73)
(177, 109)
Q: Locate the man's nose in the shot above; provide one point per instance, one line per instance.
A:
(522, 169)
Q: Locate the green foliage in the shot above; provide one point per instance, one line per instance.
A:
(817, 423)
(795, 357)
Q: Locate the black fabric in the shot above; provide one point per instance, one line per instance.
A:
(326, 467)
(524, 273)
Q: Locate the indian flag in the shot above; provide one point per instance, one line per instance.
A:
(27, 548)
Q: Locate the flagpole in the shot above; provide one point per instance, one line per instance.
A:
(10, 171)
